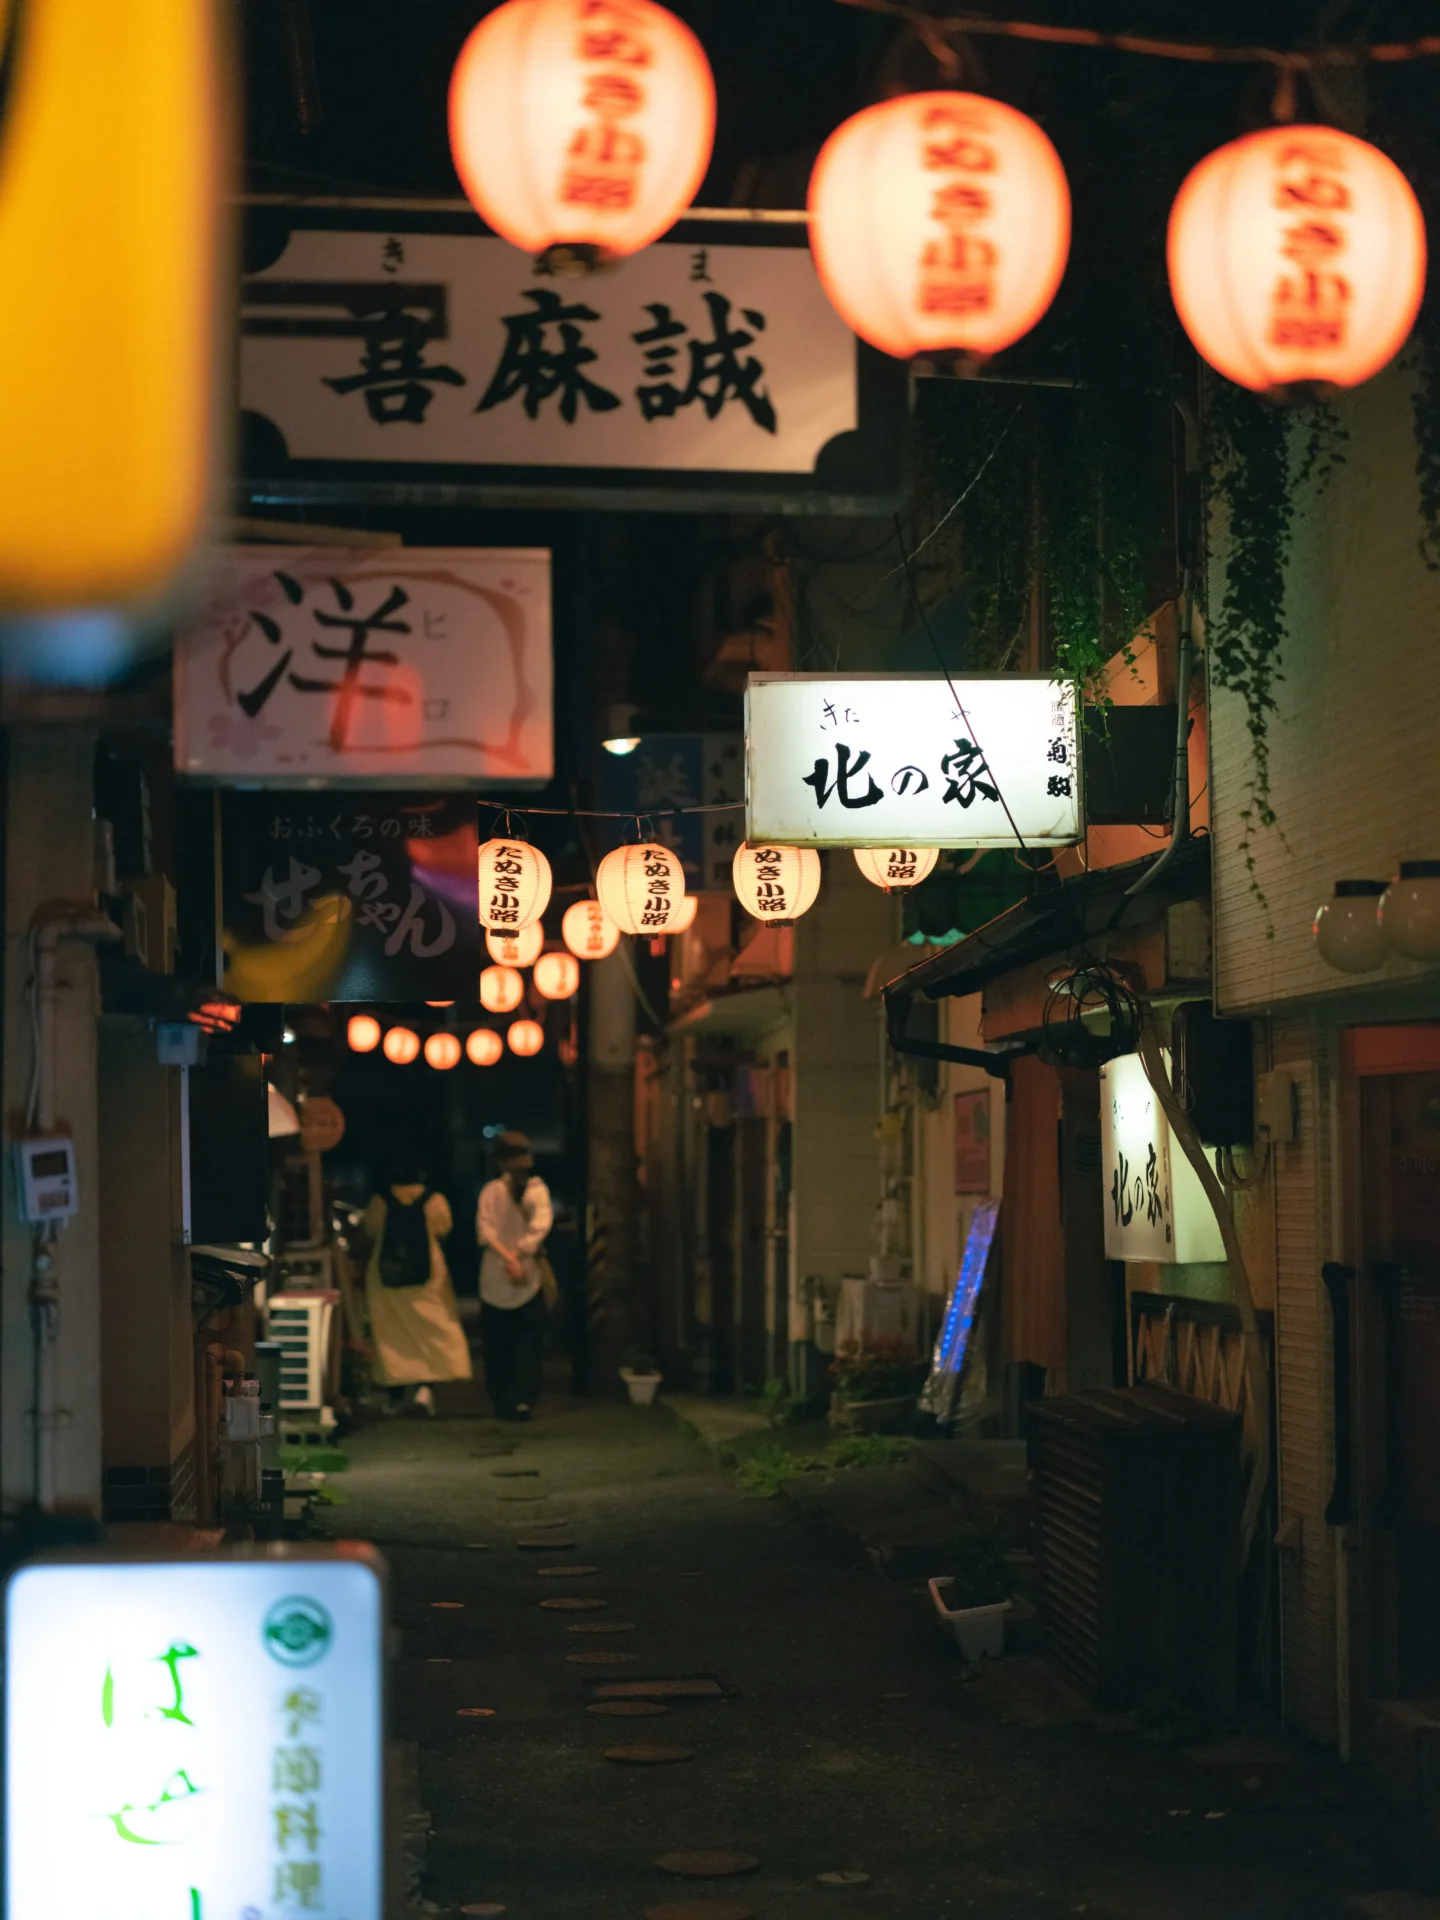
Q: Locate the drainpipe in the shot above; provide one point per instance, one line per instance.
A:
(47, 931)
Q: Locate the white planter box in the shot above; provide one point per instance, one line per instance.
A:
(641, 1387)
(979, 1631)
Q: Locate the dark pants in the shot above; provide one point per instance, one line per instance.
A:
(513, 1339)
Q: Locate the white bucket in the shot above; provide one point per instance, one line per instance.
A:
(979, 1631)
(641, 1387)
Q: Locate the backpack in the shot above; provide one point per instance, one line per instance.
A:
(405, 1244)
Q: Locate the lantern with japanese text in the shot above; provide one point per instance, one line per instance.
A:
(641, 888)
(516, 949)
(557, 976)
(584, 124)
(525, 1037)
(501, 989)
(362, 1033)
(588, 931)
(1297, 260)
(893, 867)
(400, 1046)
(442, 1051)
(940, 223)
(484, 1047)
(776, 883)
(514, 885)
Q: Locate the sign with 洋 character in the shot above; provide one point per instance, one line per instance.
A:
(321, 666)
(1155, 1206)
(911, 760)
(382, 351)
(350, 896)
(195, 1739)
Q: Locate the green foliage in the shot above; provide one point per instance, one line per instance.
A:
(775, 1399)
(313, 1460)
(771, 1466)
(868, 1450)
(875, 1369)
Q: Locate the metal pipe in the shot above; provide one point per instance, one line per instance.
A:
(992, 1060)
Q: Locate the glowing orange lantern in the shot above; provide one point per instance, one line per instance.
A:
(442, 1051)
(1297, 260)
(362, 1033)
(641, 888)
(526, 1037)
(514, 885)
(776, 883)
(940, 223)
(401, 1046)
(501, 989)
(516, 949)
(588, 931)
(557, 975)
(484, 1047)
(581, 125)
(894, 867)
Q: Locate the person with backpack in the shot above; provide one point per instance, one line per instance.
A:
(414, 1323)
(511, 1224)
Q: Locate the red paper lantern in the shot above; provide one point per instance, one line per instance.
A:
(442, 1051)
(940, 223)
(401, 1046)
(1297, 260)
(581, 125)
(526, 1037)
(484, 1047)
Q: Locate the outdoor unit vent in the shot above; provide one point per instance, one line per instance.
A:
(301, 1325)
(1137, 1505)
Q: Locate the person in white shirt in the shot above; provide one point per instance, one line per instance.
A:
(513, 1218)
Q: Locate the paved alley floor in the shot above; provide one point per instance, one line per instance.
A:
(847, 1737)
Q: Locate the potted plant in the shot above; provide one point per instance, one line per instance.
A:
(641, 1377)
(974, 1598)
(874, 1384)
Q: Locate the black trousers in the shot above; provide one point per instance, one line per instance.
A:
(513, 1339)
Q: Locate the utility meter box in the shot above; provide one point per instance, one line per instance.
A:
(46, 1180)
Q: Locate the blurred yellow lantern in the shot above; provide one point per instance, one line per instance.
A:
(585, 123)
(501, 989)
(557, 975)
(484, 1047)
(401, 1046)
(516, 949)
(442, 1051)
(514, 885)
(526, 1037)
(362, 1033)
(588, 931)
(110, 185)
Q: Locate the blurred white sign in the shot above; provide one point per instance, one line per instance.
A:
(322, 666)
(1155, 1206)
(910, 760)
(194, 1740)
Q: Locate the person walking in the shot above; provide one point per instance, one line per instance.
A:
(511, 1223)
(414, 1323)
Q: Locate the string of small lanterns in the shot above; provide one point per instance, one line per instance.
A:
(940, 221)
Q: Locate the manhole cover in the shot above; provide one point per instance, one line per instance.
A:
(602, 1626)
(661, 1690)
(648, 1756)
(601, 1659)
(561, 1573)
(542, 1543)
(849, 1878)
(713, 1864)
(574, 1603)
(701, 1910)
(625, 1709)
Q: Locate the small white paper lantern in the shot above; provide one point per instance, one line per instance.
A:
(484, 1047)
(892, 867)
(641, 888)
(526, 1037)
(557, 976)
(1347, 928)
(516, 949)
(588, 931)
(1410, 910)
(775, 883)
(514, 885)
(501, 989)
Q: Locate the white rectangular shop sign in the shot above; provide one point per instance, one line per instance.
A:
(322, 666)
(194, 1739)
(902, 760)
(1155, 1206)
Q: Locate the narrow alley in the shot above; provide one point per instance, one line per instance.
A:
(845, 1736)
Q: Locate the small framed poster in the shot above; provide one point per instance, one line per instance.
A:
(972, 1141)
